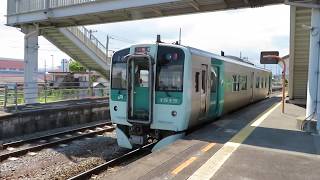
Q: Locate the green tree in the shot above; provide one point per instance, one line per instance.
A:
(75, 66)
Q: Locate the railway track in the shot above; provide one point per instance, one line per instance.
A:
(142, 151)
(53, 140)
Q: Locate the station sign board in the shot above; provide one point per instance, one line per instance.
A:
(269, 57)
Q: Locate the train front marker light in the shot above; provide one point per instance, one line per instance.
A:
(174, 113)
(115, 108)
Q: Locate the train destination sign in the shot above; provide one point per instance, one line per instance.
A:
(143, 50)
(269, 57)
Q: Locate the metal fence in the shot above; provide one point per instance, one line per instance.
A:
(13, 95)
(23, 6)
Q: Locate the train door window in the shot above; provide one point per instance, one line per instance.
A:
(235, 83)
(204, 81)
(144, 78)
(261, 80)
(197, 81)
(258, 82)
(214, 79)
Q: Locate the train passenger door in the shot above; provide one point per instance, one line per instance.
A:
(204, 90)
(140, 89)
(214, 94)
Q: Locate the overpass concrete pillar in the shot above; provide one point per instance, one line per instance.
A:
(30, 63)
(316, 50)
(313, 91)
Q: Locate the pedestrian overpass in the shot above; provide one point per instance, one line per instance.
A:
(60, 22)
(63, 13)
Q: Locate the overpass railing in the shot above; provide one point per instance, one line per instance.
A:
(25, 6)
(86, 37)
(12, 95)
(83, 34)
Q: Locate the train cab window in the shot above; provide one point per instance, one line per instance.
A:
(196, 78)
(170, 61)
(214, 79)
(235, 84)
(119, 70)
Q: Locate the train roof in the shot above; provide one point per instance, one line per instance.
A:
(230, 59)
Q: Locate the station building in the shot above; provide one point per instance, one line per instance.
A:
(12, 71)
(300, 19)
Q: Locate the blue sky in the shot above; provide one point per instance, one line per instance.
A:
(248, 31)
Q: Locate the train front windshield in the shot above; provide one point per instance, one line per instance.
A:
(169, 69)
(119, 70)
(170, 63)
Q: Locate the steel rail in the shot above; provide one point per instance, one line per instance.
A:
(51, 144)
(20, 142)
(98, 169)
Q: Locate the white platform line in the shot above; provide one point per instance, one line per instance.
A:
(209, 169)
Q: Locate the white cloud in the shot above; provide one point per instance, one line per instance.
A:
(246, 30)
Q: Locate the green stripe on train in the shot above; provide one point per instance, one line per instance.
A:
(118, 95)
(170, 98)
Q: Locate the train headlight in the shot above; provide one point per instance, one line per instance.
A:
(174, 113)
(115, 108)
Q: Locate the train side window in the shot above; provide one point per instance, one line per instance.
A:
(204, 81)
(258, 82)
(197, 81)
(235, 83)
(251, 80)
(265, 82)
(244, 82)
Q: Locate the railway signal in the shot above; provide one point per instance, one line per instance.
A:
(272, 57)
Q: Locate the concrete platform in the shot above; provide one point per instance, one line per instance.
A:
(42, 117)
(257, 142)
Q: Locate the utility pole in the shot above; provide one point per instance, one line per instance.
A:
(91, 33)
(180, 36)
(107, 48)
(45, 71)
(52, 66)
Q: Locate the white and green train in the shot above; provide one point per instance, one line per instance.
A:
(158, 91)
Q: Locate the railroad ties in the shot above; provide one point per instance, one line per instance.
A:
(51, 140)
(139, 152)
